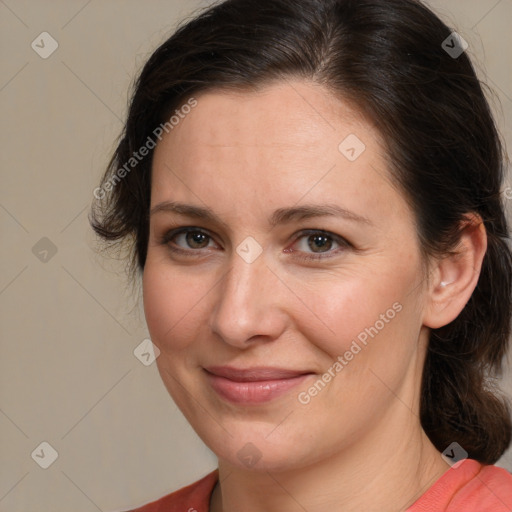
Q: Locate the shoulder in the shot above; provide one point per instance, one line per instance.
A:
(192, 498)
(469, 487)
(489, 490)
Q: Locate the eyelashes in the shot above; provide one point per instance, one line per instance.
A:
(319, 237)
(198, 240)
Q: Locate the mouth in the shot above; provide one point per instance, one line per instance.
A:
(254, 385)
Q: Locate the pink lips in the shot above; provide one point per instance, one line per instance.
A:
(253, 385)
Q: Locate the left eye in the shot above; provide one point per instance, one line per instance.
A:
(318, 242)
(315, 244)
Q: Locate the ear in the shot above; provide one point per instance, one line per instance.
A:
(456, 276)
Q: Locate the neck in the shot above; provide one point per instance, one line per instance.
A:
(387, 471)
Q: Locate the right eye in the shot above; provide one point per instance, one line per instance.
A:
(186, 240)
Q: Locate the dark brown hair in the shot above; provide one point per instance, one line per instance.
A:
(387, 58)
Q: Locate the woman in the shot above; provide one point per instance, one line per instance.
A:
(312, 193)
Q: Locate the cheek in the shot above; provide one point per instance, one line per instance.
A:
(360, 307)
(375, 340)
(169, 300)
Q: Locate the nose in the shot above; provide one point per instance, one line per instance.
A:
(250, 306)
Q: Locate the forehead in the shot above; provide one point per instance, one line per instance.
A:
(290, 114)
(272, 147)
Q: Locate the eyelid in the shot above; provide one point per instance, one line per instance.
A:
(308, 232)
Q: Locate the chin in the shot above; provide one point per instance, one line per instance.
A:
(254, 450)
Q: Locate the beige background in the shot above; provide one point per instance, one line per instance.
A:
(69, 325)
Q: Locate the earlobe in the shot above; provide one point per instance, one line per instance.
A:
(456, 275)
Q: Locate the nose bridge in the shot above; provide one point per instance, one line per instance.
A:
(246, 303)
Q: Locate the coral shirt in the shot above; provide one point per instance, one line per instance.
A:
(471, 487)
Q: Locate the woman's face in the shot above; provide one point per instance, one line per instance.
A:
(287, 334)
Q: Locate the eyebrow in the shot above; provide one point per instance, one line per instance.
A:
(279, 216)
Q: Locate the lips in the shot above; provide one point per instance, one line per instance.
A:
(253, 385)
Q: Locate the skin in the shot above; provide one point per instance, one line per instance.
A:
(358, 444)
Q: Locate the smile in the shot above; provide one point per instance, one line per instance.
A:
(253, 385)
